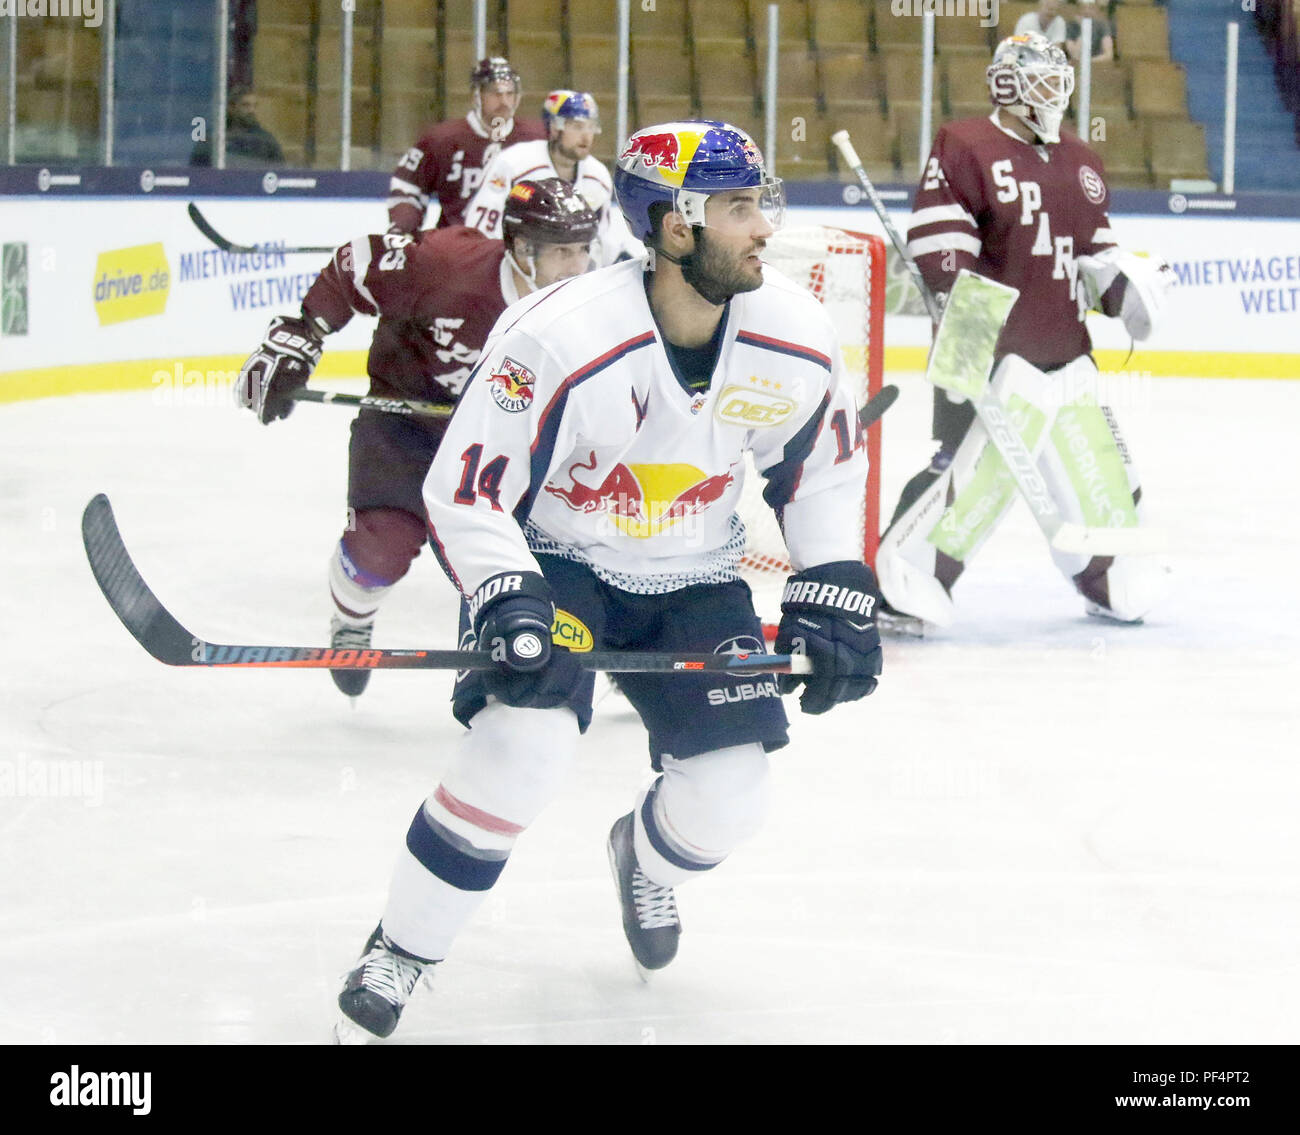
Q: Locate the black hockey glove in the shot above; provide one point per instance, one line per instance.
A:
(281, 365)
(512, 615)
(828, 613)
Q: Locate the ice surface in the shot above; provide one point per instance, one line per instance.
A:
(1040, 829)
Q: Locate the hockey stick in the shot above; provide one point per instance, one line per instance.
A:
(158, 631)
(885, 397)
(877, 404)
(1063, 535)
(408, 407)
(201, 223)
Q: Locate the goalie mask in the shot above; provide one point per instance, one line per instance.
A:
(1031, 78)
(681, 163)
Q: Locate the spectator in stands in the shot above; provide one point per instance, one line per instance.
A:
(249, 145)
(1046, 20)
(1103, 39)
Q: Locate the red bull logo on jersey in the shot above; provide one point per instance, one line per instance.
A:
(642, 501)
(512, 386)
(667, 154)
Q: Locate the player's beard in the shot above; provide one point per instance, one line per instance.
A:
(718, 274)
(571, 153)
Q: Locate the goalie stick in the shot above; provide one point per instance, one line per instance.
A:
(159, 632)
(201, 223)
(976, 360)
(868, 415)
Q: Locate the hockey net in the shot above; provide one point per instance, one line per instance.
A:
(845, 271)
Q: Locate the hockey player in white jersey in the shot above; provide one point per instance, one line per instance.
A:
(572, 121)
(584, 498)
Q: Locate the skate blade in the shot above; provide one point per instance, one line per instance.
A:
(899, 625)
(347, 1031)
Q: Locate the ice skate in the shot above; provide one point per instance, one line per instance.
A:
(376, 991)
(898, 624)
(345, 637)
(1106, 615)
(649, 911)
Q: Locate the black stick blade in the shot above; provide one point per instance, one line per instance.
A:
(201, 223)
(885, 397)
(150, 624)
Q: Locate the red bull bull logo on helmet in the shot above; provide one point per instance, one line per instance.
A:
(642, 501)
(667, 153)
(512, 386)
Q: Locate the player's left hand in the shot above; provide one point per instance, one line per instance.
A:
(828, 613)
(512, 613)
(281, 365)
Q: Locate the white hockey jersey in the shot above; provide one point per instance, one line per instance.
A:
(531, 161)
(574, 437)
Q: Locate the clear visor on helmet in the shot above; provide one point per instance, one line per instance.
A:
(587, 125)
(767, 199)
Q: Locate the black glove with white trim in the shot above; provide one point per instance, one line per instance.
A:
(281, 365)
(828, 613)
(512, 613)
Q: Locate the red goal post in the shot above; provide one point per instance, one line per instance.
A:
(845, 271)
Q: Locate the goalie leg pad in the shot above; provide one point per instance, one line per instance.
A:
(509, 767)
(924, 552)
(699, 811)
(1093, 480)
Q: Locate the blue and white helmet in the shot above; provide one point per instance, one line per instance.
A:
(563, 105)
(681, 164)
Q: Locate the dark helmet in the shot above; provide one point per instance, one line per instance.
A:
(550, 211)
(494, 69)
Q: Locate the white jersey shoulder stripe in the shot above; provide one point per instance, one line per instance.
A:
(937, 213)
(944, 241)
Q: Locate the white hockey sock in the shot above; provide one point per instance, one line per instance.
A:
(511, 764)
(355, 601)
(699, 811)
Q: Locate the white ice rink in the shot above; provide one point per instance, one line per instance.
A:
(1040, 829)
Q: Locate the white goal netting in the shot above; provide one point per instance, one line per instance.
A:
(845, 271)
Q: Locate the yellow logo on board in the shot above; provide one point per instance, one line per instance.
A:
(131, 283)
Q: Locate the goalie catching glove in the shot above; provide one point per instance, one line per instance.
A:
(281, 365)
(512, 614)
(1123, 284)
(828, 614)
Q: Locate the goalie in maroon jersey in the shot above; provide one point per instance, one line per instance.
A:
(1016, 199)
(448, 161)
(437, 298)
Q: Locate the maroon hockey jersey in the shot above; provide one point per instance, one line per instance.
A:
(436, 295)
(447, 163)
(1018, 213)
